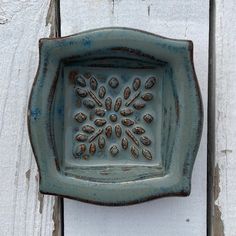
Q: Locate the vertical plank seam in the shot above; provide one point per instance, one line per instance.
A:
(211, 121)
(54, 19)
(215, 224)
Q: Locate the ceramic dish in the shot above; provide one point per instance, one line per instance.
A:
(115, 116)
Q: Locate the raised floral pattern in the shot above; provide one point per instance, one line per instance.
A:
(113, 117)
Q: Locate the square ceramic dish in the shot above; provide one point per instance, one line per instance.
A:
(115, 116)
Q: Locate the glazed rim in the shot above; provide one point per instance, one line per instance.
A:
(176, 183)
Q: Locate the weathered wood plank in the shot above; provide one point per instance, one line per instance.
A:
(24, 211)
(225, 116)
(169, 216)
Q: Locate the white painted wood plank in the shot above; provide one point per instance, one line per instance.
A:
(225, 59)
(169, 216)
(23, 210)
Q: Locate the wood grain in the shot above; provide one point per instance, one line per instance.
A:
(225, 116)
(24, 211)
(169, 216)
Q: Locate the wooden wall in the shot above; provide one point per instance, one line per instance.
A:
(24, 211)
(168, 216)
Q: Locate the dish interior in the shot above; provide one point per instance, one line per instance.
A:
(116, 117)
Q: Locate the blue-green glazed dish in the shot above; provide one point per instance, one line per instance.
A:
(115, 116)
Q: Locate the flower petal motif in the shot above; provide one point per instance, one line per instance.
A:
(101, 106)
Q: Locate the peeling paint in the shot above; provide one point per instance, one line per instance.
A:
(216, 182)
(149, 8)
(40, 199)
(52, 19)
(27, 174)
(56, 217)
(226, 151)
(40, 195)
(3, 20)
(218, 225)
(113, 6)
(37, 177)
